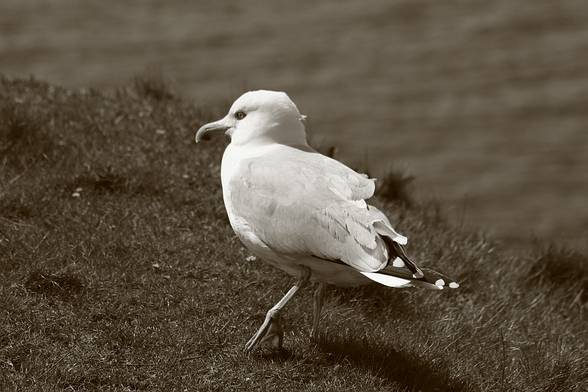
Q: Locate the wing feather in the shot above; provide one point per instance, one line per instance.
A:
(304, 203)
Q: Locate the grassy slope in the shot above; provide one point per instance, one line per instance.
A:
(139, 283)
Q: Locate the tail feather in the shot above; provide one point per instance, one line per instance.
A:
(400, 277)
(387, 280)
(401, 271)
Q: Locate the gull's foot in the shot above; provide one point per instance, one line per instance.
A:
(270, 332)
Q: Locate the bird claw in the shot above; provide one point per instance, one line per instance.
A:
(270, 332)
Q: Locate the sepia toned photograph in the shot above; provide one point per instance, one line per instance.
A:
(377, 195)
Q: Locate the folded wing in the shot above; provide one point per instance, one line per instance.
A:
(300, 202)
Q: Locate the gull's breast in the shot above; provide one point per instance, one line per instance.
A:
(233, 158)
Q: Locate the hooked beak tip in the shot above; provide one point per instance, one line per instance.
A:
(204, 137)
(201, 134)
(205, 132)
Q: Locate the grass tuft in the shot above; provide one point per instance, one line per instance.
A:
(395, 187)
(152, 85)
(107, 181)
(22, 138)
(15, 207)
(62, 285)
(111, 181)
(327, 150)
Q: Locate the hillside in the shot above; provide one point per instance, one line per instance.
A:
(119, 271)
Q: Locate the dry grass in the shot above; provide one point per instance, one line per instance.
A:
(138, 283)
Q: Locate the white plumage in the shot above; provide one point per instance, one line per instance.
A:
(303, 212)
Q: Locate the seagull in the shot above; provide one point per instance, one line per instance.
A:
(303, 212)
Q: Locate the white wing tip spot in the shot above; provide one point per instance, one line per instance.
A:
(398, 263)
(453, 285)
(440, 283)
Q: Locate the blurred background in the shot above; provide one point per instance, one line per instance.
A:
(484, 103)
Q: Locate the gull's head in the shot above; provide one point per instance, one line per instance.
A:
(259, 117)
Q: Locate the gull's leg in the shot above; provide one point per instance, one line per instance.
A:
(319, 295)
(271, 329)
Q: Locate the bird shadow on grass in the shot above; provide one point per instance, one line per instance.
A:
(392, 365)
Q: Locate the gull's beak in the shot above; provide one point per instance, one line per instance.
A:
(207, 130)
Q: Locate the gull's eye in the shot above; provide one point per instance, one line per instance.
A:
(240, 115)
